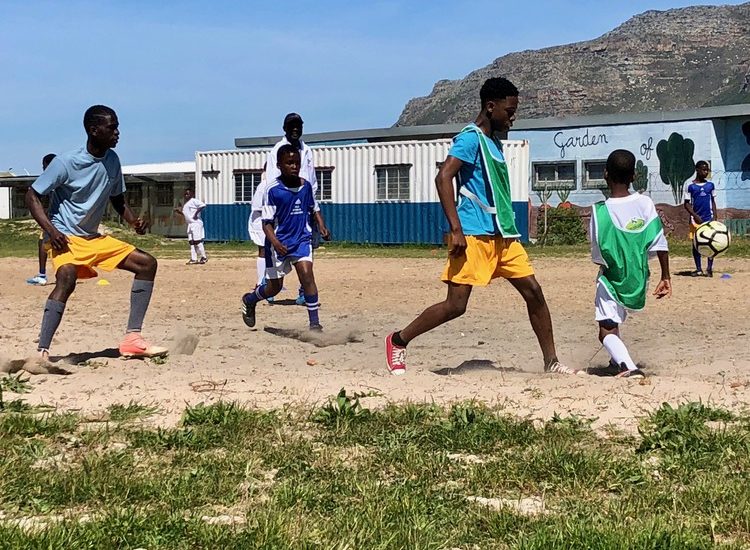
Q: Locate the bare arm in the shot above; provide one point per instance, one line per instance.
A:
(713, 208)
(271, 236)
(664, 288)
(696, 217)
(322, 227)
(122, 208)
(444, 184)
(58, 241)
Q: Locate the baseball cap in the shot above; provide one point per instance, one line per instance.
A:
(292, 117)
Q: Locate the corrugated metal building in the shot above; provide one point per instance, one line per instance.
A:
(381, 192)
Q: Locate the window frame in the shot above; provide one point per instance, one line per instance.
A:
(253, 186)
(386, 167)
(160, 190)
(593, 184)
(319, 170)
(539, 185)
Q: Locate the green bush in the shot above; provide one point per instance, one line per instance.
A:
(564, 226)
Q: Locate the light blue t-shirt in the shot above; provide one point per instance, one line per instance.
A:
(80, 186)
(474, 220)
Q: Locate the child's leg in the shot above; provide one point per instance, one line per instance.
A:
(42, 258)
(697, 259)
(193, 252)
(452, 307)
(310, 289)
(539, 316)
(710, 268)
(65, 284)
(143, 266)
(609, 336)
(260, 266)
(200, 249)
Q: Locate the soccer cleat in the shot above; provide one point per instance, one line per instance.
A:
(300, 301)
(316, 328)
(248, 311)
(133, 345)
(39, 280)
(709, 273)
(558, 368)
(191, 262)
(625, 372)
(203, 260)
(696, 273)
(395, 356)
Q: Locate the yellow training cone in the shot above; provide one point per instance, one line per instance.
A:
(102, 282)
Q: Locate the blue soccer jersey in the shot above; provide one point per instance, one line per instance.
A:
(290, 209)
(700, 195)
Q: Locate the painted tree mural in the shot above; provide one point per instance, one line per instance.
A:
(640, 183)
(676, 162)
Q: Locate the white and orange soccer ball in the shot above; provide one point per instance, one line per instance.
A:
(712, 239)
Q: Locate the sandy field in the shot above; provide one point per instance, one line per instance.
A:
(694, 346)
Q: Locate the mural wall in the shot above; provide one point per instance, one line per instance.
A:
(568, 165)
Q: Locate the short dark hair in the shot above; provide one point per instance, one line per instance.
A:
(497, 88)
(96, 112)
(621, 166)
(292, 117)
(286, 149)
(701, 163)
(48, 158)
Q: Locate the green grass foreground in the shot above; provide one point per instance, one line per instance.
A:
(18, 238)
(409, 476)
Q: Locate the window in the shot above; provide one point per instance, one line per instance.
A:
(245, 184)
(134, 195)
(164, 194)
(554, 175)
(325, 179)
(393, 182)
(593, 174)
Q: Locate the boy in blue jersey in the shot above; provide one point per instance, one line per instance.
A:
(288, 206)
(700, 202)
(483, 242)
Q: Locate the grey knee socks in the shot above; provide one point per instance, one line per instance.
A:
(53, 312)
(140, 296)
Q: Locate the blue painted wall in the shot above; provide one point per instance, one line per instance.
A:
(380, 223)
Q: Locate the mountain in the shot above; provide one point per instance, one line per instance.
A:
(656, 61)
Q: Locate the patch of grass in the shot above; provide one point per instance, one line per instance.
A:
(396, 477)
(131, 411)
(15, 383)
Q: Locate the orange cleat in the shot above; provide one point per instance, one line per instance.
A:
(133, 345)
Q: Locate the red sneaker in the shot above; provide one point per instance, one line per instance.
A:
(395, 356)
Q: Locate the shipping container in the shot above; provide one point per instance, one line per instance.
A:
(369, 192)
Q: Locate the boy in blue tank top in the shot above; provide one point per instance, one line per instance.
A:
(700, 202)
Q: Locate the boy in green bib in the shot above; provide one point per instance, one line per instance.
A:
(625, 231)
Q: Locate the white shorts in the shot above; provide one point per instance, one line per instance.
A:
(255, 229)
(278, 269)
(606, 308)
(195, 231)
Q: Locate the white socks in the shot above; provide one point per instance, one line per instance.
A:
(193, 253)
(260, 265)
(201, 249)
(618, 351)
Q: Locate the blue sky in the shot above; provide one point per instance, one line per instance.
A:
(193, 75)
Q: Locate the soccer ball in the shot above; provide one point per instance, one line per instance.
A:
(711, 239)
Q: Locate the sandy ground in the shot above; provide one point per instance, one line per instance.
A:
(694, 346)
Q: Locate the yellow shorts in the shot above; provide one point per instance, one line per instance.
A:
(488, 258)
(104, 251)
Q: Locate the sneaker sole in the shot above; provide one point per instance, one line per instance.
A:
(143, 355)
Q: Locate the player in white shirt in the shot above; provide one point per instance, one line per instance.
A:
(196, 233)
(625, 231)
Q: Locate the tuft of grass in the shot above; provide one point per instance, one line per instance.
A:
(131, 411)
(15, 383)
